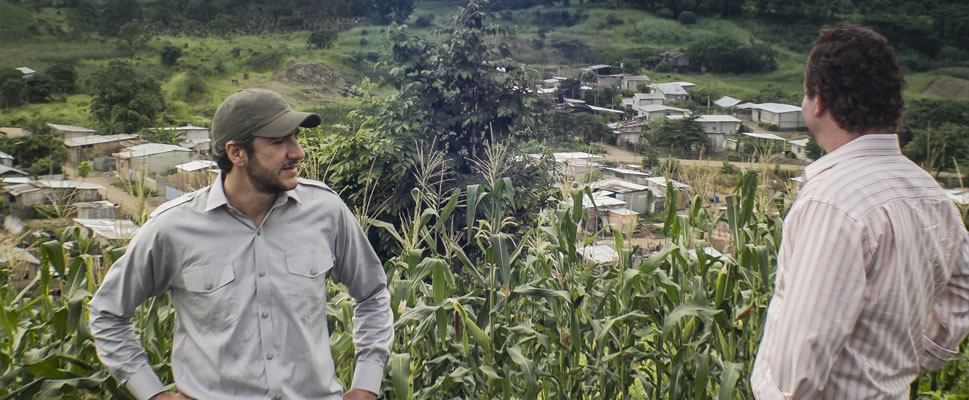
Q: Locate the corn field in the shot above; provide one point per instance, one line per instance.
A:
(482, 313)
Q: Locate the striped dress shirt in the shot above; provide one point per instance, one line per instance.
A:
(872, 280)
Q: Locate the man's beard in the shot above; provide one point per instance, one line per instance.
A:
(263, 179)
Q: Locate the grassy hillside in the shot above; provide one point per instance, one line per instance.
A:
(551, 40)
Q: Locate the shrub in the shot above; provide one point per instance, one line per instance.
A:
(424, 21)
(687, 18)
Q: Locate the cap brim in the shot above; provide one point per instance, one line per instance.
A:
(287, 123)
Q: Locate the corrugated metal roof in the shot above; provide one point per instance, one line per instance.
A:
(716, 118)
(619, 186)
(599, 254)
(197, 165)
(661, 181)
(800, 142)
(67, 184)
(71, 128)
(671, 88)
(622, 211)
(777, 108)
(113, 229)
(148, 149)
(595, 67)
(6, 156)
(601, 202)
(726, 101)
(768, 136)
(627, 171)
(659, 107)
(97, 139)
(4, 170)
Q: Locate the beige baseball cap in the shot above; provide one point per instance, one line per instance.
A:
(256, 112)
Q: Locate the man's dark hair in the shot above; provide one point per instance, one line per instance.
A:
(225, 164)
(855, 71)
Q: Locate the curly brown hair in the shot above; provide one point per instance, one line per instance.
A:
(858, 77)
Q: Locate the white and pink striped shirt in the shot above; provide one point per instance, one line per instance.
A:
(872, 280)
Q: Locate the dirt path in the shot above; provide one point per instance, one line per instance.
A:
(127, 202)
(623, 156)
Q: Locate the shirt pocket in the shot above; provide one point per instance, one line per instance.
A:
(210, 292)
(307, 282)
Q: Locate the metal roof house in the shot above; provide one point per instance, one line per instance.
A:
(82, 148)
(154, 158)
(784, 116)
(70, 131)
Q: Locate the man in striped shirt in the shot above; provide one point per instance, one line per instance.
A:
(873, 273)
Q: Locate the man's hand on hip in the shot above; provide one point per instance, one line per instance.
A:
(359, 394)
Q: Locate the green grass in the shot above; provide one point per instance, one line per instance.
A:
(73, 110)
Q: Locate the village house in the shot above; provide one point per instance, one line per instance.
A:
(86, 147)
(636, 196)
(766, 141)
(193, 175)
(627, 132)
(106, 231)
(598, 209)
(6, 159)
(783, 116)
(675, 59)
(8, 174)
(644, 99)
(151, 158)
(21, 264)
(653, 112)
(12, 132)
(22, 197)
(727, 102)
(799, 148)
(97, 210)
(193, 137)
(27, 72)
(633, 82)
(581, 106)
(598, 254)
(658, 183)
(672, 91)
(71, 131)
(626, 174)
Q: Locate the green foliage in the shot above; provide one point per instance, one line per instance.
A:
(162, 135)
(687, 18)
(84, 169)
(170, 55)
(923, 114)
(461, 93)
(941, 147)
(124, 100)
(12, 86)
(387, 11)
(64, 77)
(726, 54)
(813, 150)
(591, 128)
(39, 88)
(322, 39)
(41, 153)
(683, 134)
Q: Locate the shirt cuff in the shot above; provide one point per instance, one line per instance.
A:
(144, 384)
(934, 356)
(367, 376)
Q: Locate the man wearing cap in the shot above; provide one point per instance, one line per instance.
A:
(245, 261)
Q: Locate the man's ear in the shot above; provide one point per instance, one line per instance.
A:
(237, 155)
(820, 105)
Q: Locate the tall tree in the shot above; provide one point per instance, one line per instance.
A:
(462, 92)
(124, 100)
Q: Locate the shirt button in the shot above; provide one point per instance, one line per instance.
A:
(277, 397)
(265, 314)
(258, 233)
(262, 274)
(269, 356)
(312, 272)
(208, 286)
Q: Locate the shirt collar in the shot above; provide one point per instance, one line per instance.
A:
(864, 145)
(217, 197)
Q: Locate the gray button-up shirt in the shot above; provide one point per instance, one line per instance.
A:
(250, 302)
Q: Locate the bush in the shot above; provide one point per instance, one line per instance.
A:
(424, 21)
(322, 39)
(170, 55)
(687, 18)
(665, 13)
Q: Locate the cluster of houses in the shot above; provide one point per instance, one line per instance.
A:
(166, 168)
(723, 130)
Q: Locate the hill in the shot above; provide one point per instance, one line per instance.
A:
(948, 87)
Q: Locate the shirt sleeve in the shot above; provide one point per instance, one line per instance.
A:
(358, 267)
(948, 322)
(818, 299)
(134, 277)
